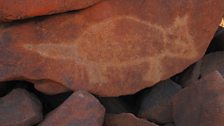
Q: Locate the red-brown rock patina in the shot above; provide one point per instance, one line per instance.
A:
(125, 119)
(20, 9)
(212, 62)
(49, 87)
(201, 103)
(20, 108)
(156, 103)
(114, 48)
(191, 74)
(80, 109)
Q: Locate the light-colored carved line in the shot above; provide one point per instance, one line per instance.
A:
(73, 47)
(95, 70)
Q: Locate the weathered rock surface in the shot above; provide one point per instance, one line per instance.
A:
(201, 104)
(20, 9)
(156, 104)
(19, 108)
(212, 62)
(191, 74)
(49, 87)
(51, 102)
(80, 109)
(114, 48)
(125, 119)
(209, 63)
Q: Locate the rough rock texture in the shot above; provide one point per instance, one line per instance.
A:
(209, 63)
(212, 62)
(114, 48)
(20, 9)
(125, 119)
(201, 104)
(49, 87)
(19, 108)
(80, 109)
(51, 102)
(191, 74)
(156, 104)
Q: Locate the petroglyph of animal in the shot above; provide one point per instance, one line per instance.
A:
(115, 48)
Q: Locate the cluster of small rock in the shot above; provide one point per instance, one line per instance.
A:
(111, 63)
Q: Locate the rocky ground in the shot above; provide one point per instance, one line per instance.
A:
(112, 63)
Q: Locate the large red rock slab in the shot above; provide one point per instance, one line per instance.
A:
(80, 109)
(211, 62)
(156, 103)
(114, 48)
(201, 104)
(20, 9)
(19, 108)
(125, 119)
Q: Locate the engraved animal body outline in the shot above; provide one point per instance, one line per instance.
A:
(96, 70)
